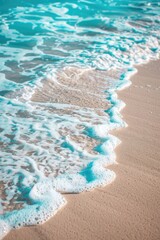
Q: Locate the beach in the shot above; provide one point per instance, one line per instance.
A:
(128, 208)
(79, 143)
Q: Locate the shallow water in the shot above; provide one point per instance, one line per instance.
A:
(60, 65)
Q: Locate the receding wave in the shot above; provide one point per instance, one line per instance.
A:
(61, 66)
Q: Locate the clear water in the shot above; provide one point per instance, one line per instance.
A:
(52, 139)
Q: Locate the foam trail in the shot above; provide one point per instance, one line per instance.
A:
(62, 65)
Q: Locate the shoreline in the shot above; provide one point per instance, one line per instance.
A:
(123, 209)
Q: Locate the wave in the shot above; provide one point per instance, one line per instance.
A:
(61, 67)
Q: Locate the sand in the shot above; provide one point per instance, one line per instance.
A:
(129, 208)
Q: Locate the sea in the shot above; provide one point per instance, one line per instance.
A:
(62, 64)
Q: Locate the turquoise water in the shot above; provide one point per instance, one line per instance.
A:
(44, 143)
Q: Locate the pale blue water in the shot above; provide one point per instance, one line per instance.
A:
(39, 156)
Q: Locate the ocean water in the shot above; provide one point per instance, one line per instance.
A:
(61, 65)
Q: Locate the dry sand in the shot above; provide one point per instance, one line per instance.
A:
(129, 208)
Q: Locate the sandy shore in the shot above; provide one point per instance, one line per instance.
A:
(129, 207)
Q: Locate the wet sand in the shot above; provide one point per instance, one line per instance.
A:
(129, 207)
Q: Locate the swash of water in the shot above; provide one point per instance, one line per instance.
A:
(54, 131)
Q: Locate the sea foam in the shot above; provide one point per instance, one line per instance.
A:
(62, 65)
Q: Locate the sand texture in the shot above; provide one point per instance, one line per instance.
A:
(129, 208)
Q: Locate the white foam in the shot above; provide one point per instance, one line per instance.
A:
(45, 203)
(4, 229)
(44, 151)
